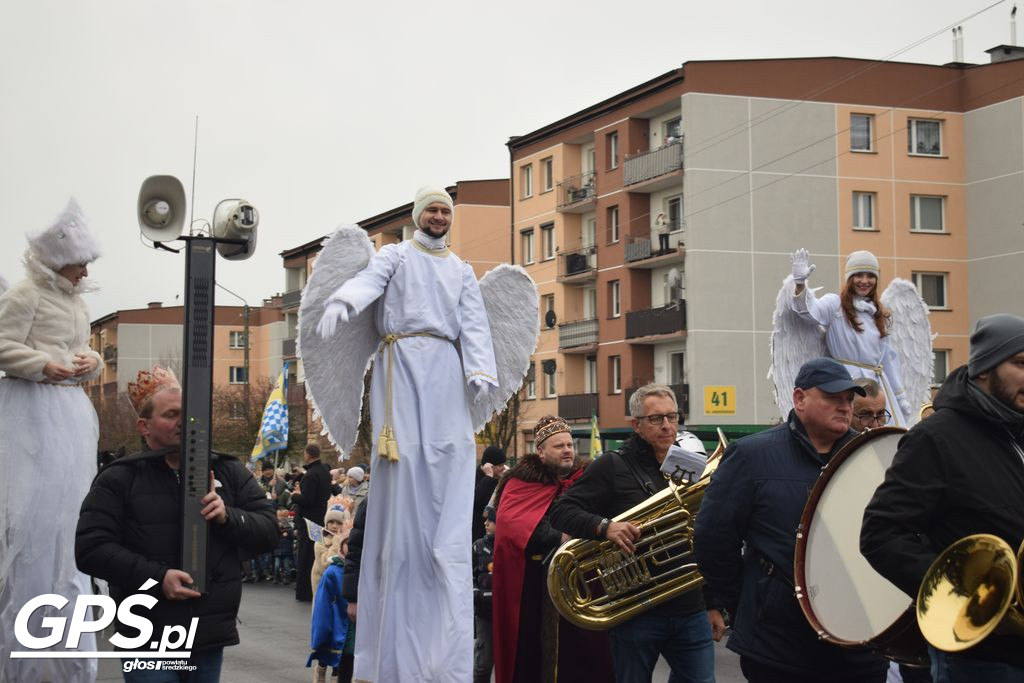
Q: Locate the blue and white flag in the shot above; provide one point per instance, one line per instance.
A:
(314, 531)
(273, 434)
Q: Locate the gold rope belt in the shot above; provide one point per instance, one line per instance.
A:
(877, 369)
(387, 446)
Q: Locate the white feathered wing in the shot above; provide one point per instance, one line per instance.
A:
(794, 341)
(513, 313)
(334, 367)
(910, 335)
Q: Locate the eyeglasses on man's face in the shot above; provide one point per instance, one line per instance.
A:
(658, 420)
(873, 419)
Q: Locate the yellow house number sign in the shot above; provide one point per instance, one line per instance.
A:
(720, 400)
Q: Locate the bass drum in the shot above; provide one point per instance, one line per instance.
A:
(845, 600)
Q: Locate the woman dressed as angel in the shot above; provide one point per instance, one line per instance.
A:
(858, 326)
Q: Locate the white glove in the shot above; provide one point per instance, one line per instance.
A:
(801, 269)
(480, 389)
(333, 312)
(904, 406)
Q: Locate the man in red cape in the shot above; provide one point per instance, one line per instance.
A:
(531, 641)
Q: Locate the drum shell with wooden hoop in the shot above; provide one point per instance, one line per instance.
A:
(845, 600)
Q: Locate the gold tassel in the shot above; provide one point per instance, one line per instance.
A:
(387, 446)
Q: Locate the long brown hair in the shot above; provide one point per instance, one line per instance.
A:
(881, 316)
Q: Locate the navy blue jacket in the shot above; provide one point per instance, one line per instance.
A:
(756, 497)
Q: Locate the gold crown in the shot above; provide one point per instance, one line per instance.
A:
(149, 382)
(548, 426)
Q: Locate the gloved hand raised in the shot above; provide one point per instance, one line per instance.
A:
(334, 312)
(801, 269)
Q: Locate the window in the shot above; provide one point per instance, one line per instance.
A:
(613, 224)
(676, 368)
(236, 375)
(862, 132)
(924, 136)
(527, 246)
(526, 181)
(550, 390)
(673, 130)
(615, 374)
(236, 339)
(590, 375)
(589, 303)
(863, 210)
(237, 410)
(674, 213)
(547, 303)
(614, 306)
(530, 446)
(547, 241)
(611, 148)
(530, 384)
(547, 174)
(926, 213)
(589, 162)
(589, 232)
(932, 287)
(940, 366)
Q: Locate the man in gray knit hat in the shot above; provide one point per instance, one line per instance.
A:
(957, 473)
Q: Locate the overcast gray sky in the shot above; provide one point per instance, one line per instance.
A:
(324, 111)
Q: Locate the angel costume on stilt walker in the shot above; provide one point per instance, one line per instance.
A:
(888, 339)
(49, 436)
(447, 352)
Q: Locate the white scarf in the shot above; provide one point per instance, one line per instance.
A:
(428, 241)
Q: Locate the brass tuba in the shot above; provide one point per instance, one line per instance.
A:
(596, 586)
(972, 589)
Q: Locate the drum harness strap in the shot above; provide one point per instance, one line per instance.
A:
(769, 568)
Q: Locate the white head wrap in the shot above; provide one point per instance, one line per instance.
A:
(67, 241)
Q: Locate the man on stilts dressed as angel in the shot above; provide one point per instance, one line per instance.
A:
(440, 370)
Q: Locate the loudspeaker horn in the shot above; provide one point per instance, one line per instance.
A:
(161, 209)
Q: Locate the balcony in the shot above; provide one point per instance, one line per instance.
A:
(109, 353)
(654, 170)
(577, 194)
(579, 265)
(655, 322)
(291, 299)
(288, 348)
(577, 406)
(648, 252)
(682, 392)
(577, 337)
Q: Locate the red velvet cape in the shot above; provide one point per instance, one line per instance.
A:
(523, 504)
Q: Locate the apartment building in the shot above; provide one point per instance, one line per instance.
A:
(136, 339)
(479, 235)
(658, 223)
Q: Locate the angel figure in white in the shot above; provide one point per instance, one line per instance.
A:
(447, 352)
(886, 338)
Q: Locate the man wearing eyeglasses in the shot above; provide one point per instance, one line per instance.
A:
(869, 410)
(678, 629)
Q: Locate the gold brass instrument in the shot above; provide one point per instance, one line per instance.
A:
(972, 589)
(596, 586)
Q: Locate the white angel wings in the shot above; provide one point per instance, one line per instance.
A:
(794, 342)
(334, 367)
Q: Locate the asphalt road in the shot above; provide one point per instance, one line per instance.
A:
(274, 630)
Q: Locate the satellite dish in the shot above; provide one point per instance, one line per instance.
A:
(548, 366)
(550, 319)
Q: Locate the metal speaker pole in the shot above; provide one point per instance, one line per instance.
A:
(197, 400)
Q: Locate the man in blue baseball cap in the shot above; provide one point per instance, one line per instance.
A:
(756, 499)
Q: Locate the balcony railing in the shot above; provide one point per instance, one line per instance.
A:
(288, 348)
(682, 392)
(291, 299)
(657, 162)
(578, 333)
(110, 354)
(654, 321)
(578, 262)
(577, 189)
(577, 406)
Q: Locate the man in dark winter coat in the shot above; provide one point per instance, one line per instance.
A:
(678, 629)
(310, 500)
(745, 536)
(129, 530)
(957, 473)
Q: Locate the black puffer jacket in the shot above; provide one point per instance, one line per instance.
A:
(350, 584)
(129, 531)
(955, 474)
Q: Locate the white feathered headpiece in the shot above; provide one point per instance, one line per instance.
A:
(68, 240)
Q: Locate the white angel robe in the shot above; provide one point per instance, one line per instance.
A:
(854, 349)
(415, 581)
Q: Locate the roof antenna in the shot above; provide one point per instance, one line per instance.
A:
(1013, 26)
